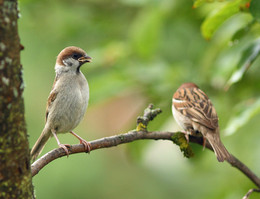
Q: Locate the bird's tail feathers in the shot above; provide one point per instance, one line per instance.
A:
(40, 143)
(219, 148)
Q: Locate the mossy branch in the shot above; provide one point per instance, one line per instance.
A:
(149, 115)
(179, 139)
(141, 133)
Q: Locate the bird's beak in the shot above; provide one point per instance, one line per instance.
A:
(84, 59)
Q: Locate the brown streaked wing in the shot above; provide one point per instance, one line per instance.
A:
(51, 99)
(204, 106)
(194, 103)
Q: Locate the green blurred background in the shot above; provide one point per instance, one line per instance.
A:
(142, 51)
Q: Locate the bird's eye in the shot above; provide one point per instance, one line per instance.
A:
(75, 56)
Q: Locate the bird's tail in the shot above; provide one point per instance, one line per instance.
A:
(218, 147)
(40, 143)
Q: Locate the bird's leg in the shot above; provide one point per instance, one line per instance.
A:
(187, 133)
(187, 137)
(82, 141)
(64, 146)
(204, 142)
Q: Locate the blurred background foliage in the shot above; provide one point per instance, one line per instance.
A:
(142, 51)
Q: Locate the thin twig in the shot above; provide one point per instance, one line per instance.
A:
(249, 193)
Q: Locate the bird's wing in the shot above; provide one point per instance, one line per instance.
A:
(51, 99)
(194, 104)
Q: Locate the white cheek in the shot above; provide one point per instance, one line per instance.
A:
(71, 62)
(69, 65)
(60, 69)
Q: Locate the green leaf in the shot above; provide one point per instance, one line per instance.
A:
(243, 30)
(255, 9)
(248, 57)
(215, 20)
(242, 118)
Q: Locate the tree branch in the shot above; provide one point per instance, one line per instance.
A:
(250, 192)
(140, 133)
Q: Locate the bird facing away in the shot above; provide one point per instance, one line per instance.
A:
(194, 112)
(68, 99)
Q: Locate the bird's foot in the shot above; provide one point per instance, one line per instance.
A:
(187, 137)
(65, 147)
(86, 144)
(204, 142)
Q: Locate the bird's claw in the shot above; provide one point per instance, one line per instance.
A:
(65, 147)
(86, 144)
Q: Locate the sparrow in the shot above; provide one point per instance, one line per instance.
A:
(194, 112)
(68, 99)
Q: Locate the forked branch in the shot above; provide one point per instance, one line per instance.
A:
(141, 133)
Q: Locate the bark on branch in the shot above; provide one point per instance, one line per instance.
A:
(140, 133)
(250, 192)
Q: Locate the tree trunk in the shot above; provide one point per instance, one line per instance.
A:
(15, 173)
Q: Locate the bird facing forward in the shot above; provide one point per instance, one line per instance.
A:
(68, 100)
(194, 112)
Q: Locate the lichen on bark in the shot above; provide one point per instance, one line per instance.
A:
(180, 140)
(15, 173)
